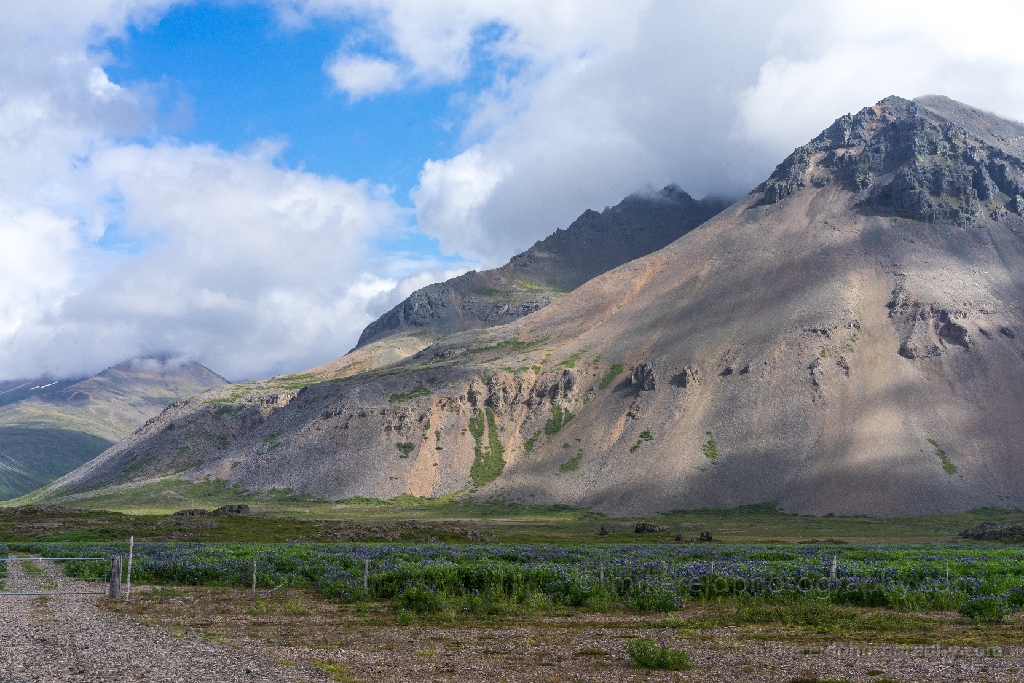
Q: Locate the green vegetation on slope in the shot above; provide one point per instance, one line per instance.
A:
(559, 418)
(571, 465)
(418, 391)
(613, 372)
(47, 431)
(947, 464)
(514, 344)
(644, 436)
(32, 457)
(710, 448)
(489, 462)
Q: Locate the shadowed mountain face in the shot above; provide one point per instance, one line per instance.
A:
(49, 427)
(593, 244)
(847, 339)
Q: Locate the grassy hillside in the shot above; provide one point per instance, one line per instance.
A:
(32, 457)
(50, 427)
(146, 512)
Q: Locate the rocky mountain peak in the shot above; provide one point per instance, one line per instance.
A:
(929, 159)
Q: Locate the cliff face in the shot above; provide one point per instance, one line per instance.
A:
(845, 339)
(593, 244)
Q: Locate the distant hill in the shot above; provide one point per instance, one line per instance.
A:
(595, 243)
(49, 427)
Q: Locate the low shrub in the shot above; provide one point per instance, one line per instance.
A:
(986, 609)
(647, 653)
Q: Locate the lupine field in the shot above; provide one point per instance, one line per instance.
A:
(3, 565)
(983, 583)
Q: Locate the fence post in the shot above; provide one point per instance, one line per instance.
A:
(131, 549)
(253, 577)
(366, 577)
(832, 569)
(115, 577)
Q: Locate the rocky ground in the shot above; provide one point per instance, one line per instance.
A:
(200, 634)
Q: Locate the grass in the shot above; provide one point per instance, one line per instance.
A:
(646, 653)
(514, 344)
(488, 462)
(337, 672)
(418, 391)
(571, 465)
(283, 515)
(569, 362)
(613, 372)
(530, 443)
(947, 465)
(558, 419)
(644, 436)
(710, 448)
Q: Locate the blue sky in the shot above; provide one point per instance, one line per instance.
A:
(250, 183)
(231, 74)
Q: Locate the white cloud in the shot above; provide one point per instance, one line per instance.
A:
(361, 76)
(436, 37)
(255, 268)
(825, 61)
(449, 198)
(591, 101)
(234, 260)
(35, 269)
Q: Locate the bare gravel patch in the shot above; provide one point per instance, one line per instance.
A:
(72, 638)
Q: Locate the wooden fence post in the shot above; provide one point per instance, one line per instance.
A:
(115, 577)
(253, 577)
(131, 550)
(366, 577)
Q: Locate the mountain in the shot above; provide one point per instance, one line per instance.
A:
(595, 243)
(847, 339)
(49, 427)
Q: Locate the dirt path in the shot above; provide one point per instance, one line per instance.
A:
(68, 638)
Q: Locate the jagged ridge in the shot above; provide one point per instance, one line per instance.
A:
(593, 244)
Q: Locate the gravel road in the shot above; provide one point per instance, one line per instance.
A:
(67, 638)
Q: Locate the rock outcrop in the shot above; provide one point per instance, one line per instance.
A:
(994, 531)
